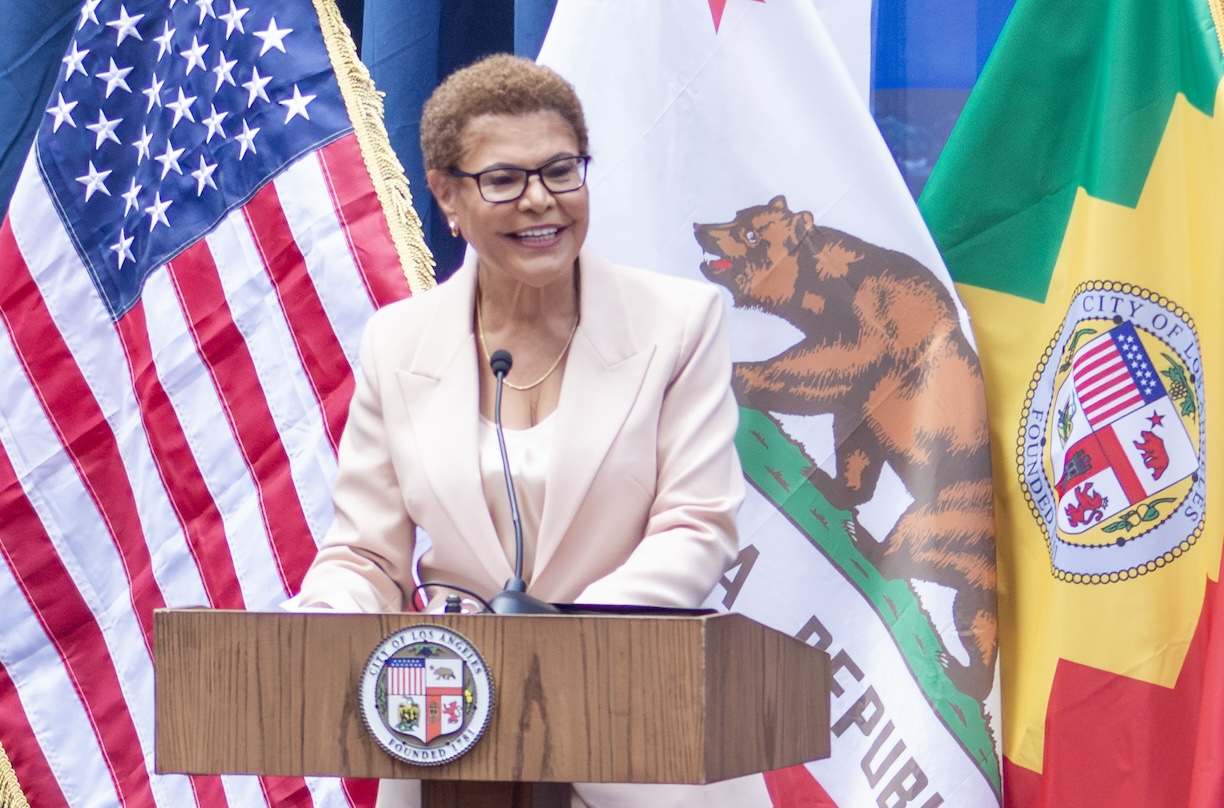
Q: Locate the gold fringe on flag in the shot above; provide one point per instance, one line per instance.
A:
(10, 792)
(1217, 15)
(365, 109)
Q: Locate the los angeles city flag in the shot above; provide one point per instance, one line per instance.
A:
(731, 146)
(1079, 205)
(191, 252)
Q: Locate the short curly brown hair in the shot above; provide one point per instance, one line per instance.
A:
(496, 85)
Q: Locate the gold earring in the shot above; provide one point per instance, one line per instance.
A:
(454, 228)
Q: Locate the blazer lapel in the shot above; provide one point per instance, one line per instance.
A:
(441, 398)
(603, 375)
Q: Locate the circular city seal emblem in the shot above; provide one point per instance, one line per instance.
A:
(426, 695)
(1112, 433)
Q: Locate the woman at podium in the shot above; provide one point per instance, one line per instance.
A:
(618, 416)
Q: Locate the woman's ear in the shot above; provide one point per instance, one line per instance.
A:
(443, 187)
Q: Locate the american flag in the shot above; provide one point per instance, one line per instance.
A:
(406, 676)
(1113, 376)
(190, 255)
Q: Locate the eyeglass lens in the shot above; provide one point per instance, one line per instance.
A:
(506, 184)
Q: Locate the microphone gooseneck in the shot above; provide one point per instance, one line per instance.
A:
(500, 363)
(513, 599)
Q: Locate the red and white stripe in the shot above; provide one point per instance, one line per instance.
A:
(1104, 383)
(181, 456)
(406, 681)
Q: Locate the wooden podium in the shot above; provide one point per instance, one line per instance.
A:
(613, 699)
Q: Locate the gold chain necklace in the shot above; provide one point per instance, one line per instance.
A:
(523, 387)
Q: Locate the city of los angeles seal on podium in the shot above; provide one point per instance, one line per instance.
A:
(426, 695)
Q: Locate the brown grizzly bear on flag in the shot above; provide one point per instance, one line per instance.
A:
(883, 352)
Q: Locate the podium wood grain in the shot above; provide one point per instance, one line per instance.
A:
(460, 794)
(577, 699)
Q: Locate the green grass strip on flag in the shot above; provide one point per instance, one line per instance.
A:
(778, 469)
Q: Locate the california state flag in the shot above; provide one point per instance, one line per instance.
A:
(730, 145)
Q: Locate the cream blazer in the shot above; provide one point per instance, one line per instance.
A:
(641, 495)
(644, 481)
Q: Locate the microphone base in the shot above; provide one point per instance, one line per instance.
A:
(511, 602)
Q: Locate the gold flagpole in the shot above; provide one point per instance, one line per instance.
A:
(10, 791)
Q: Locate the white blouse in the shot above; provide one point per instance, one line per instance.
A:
(528, 451)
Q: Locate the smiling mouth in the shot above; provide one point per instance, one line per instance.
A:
(537, 235)
(718, 263)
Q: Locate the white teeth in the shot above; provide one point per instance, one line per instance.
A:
(538, 232)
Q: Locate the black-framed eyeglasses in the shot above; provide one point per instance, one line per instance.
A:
(508, 183)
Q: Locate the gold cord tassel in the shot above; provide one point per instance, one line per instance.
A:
(365, 109)
(1217, 14)
(10, 792)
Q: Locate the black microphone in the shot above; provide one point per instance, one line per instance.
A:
(513, 599)
(500, 363)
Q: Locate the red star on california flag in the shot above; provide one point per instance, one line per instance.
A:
(716, 10)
